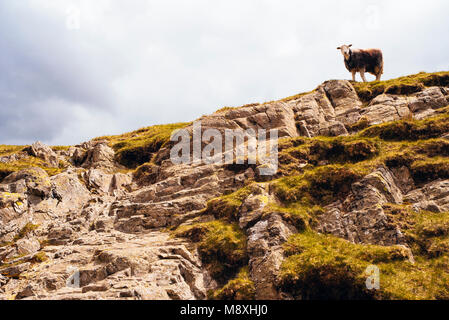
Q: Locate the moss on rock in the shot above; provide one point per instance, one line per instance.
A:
(403, 85)
(239, 288)
(138, 147)
(222, 246)
(27, 229)
(227, 206)
(318, 186)
(430, 169)
(412, 130)
(146, 174)
(325, 267)
(8, 168)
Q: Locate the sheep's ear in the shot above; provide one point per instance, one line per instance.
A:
(350, 46)
(339, 48)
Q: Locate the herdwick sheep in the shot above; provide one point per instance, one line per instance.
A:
(359, 60)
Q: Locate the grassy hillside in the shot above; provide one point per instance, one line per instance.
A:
(313, 173)
(6, 168)
(323, 266)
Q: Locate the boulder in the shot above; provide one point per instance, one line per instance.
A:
(3, 280)
(361, 218)
(275, 115)
(44, 152)
(344, 99)
(27, 246)
(69, 193)
(28, 291)
(15, 271)
(433, 196)
(425, 102)
(99, 156)
(266, 254)
(386, 108)
(99, 180)
(120, 181)
(34, 181)
(310, 114)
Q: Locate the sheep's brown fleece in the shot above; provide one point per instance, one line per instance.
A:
(370, 59)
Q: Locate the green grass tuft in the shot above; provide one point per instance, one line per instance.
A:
(239, 288)
(411, 130)
(403, 85)
(28, 228)
(138, 147)
(227, 206)
(222, 246)
(320, 185)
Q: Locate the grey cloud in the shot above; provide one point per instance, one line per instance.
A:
(138, 63)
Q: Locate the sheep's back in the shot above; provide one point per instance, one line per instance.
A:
(368, 59)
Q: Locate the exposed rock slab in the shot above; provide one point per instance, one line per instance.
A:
(361, 218)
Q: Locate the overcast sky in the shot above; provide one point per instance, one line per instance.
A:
(74, 70)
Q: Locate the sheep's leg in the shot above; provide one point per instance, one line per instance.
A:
(362, 74)
(378, 73)
(353, 75)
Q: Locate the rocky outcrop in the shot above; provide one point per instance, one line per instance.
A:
(100, 155)
(113, 266)
(93, 231)
(14, 157)
(265, 240)
(335, 106)
(385, 108)
(80, 212)
(45, 153)
(33, 181)
(432, 197)
(388, 107)
(94, 154)
(361, 218)
(266, 233)
(327, 110)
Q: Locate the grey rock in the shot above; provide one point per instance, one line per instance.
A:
(362, 218)
(27, 246)
(265, 250)
(44, 152)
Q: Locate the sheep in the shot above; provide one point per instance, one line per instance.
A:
(359, 60)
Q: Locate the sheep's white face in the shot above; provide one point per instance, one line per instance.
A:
(345, 50)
